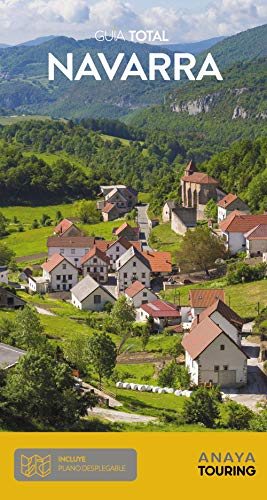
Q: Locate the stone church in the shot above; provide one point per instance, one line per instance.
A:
(198, 188)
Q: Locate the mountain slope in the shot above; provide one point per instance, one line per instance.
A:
(196, 47)
(213, 114)
(24, 86)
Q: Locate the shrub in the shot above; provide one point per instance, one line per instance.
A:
(202, 407)
(238, 416)
(243, 273)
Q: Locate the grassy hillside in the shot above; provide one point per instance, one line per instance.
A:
(243, 298)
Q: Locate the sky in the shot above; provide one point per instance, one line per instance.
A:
(182, 20)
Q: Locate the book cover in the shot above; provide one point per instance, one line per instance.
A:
(133, 248)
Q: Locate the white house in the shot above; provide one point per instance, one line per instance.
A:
(38, 284)
(236, 225)
(90, 295)
(96, 263)
(4, 274)
(212, 356)
(139, 294)
(163, 313)
(117, 248)
(73, 248)
(200, 299)
(228, 204)
(132, 266)
(227, 319)
(167, 210)
(60, 272)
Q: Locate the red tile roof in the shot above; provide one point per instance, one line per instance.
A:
(53, 262)
(125, 225)
(63, 225)
(134, 289)
(72, 242)
(238, 222)
(198, 339)
(160, 309)
(200, 178)
(224, 310)
(103, 245)
(205, 298)
(95, 252)
(227, 200)
(160, 262)
(257, 233)
(108, 207)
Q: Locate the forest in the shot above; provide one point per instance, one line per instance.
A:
(58, 161)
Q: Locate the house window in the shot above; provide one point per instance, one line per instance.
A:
(73, 251)
(225, 367)
(144, 294)
(101, 269)
(222, 347)
(95, 260)
(88, 269)
(70, 276)
(58, 277)
(117, 249)
(76, 260)
(143, 275)
(95, 269)
(134, 263)
(144, 301)
(125, 275)
(58, 287)
(117, 256)
(216, 368)
(97, 299)
(10, 301)
(64, 266)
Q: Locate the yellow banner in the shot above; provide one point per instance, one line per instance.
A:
(222, 465)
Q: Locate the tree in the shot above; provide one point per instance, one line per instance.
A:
(102, 354)
(3, 225)
(45, 220)
(238, 416)
(174, 375)
(123, 316)
(211, 210)
(41, 390)
(29, 332)
(202, 407)
(200, 249)
(35, 224)
(176, 349)
(145, 335)
(76, 351)
(6, 254)
(87, 211)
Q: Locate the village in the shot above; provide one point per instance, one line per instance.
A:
(90, 273)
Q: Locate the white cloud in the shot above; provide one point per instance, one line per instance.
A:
(25, 19)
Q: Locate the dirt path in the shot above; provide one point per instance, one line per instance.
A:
(120, 416)
(35, 256)
(45, 312)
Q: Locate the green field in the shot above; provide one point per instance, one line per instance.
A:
(34, 241)
(242, 298)
(26, 215)
(164, 239)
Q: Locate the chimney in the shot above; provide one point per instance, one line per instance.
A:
(197, 319)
